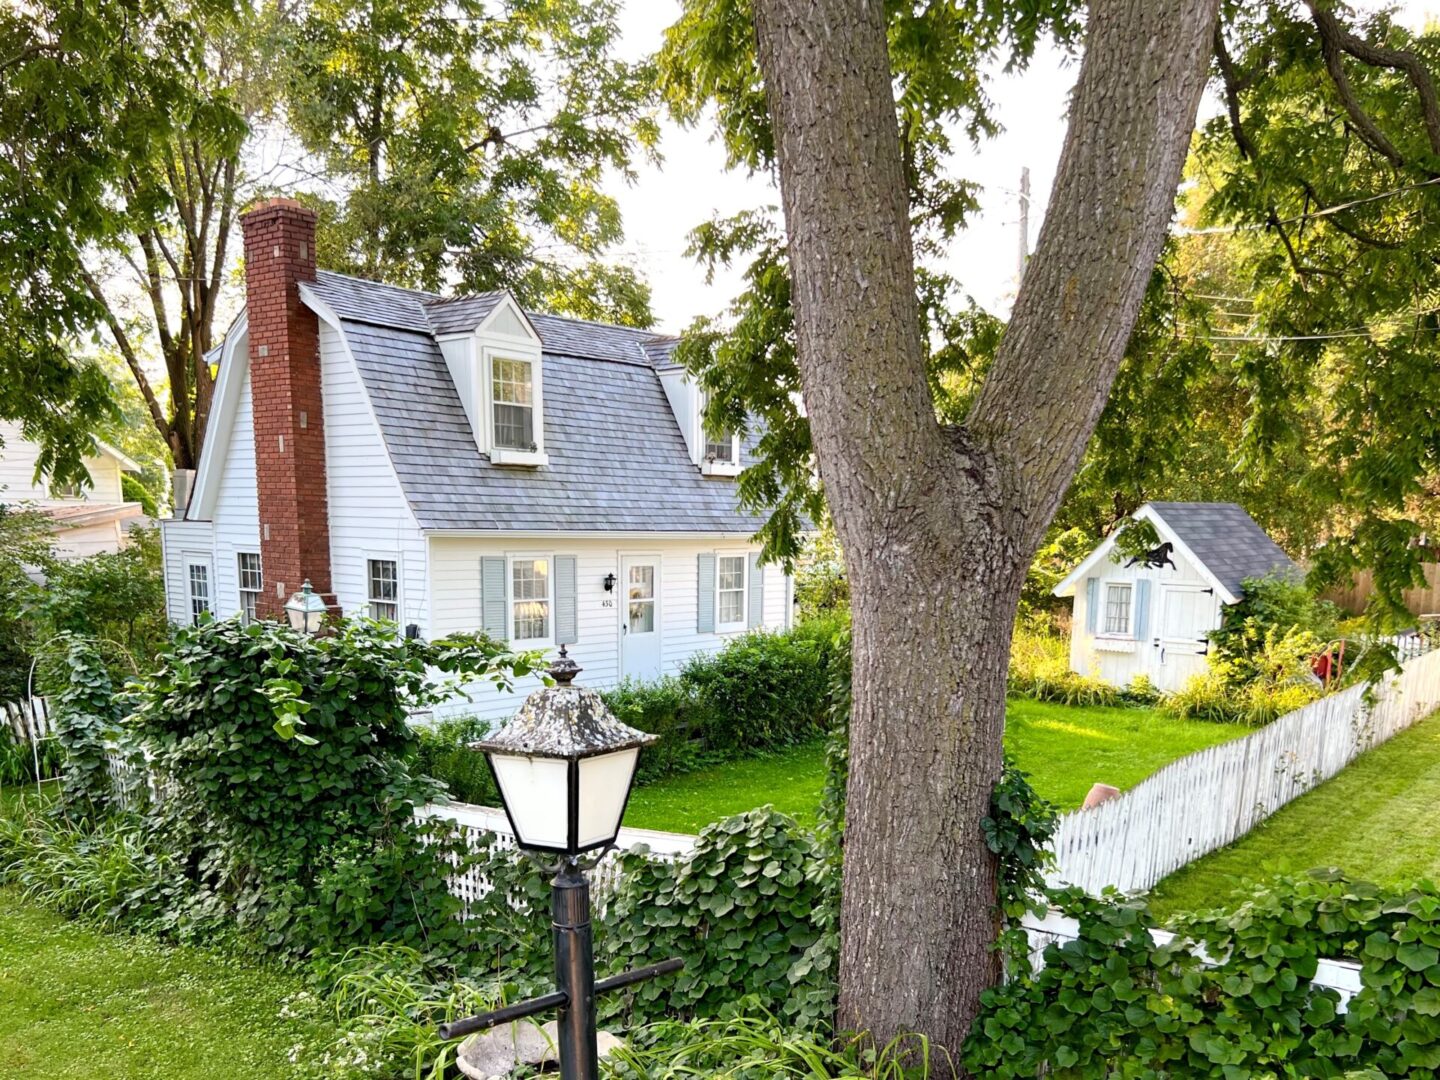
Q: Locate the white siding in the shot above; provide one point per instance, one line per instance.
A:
(236, 521)
(1167, 671)
(455, 584)
(180, 539)
(18, 456)
(369, 517)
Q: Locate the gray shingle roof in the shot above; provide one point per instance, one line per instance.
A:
(617, 460)
(1226, 539)
(461, 313)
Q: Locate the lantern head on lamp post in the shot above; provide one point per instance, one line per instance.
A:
(305, 610)
(564, 766)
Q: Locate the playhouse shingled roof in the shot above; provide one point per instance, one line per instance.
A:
(1225, 539)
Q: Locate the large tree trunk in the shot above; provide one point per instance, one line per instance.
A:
(939, 525)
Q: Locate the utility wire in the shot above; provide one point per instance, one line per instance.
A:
(1213, 230)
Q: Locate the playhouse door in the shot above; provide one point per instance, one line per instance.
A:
(1187, 615)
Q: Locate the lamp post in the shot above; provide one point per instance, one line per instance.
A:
(564, 766)
(305, 610)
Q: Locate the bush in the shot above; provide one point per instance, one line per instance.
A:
(1256, 688)
(442, 752)
(1114, 1003)
(761, 692)
(1270, 608)
(1040, 669)
(821, 587)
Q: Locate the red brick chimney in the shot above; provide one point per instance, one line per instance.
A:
(285, 390)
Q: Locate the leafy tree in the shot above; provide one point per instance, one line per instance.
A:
(471, 140)
(26, 547)
(118, 171)
(954, 511)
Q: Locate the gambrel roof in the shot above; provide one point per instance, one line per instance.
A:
(617, 459)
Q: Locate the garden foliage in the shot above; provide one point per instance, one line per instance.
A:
(1115, 1003)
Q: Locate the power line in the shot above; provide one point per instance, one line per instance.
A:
(1349, 332)
(1213, 230)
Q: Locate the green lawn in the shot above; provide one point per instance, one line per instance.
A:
(1064, 748)
(81, 1004)
(1376, 821)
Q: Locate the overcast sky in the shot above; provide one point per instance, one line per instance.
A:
(691, 184)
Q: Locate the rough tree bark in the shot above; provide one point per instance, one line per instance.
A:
(939, 524)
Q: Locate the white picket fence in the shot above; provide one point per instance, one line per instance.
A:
(1213, 797)
(28, 721)
(471, 885)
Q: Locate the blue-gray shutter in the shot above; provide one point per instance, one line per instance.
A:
(1142, 609)
(1092, 604)
(705, 595)
(492, 598)
(567, 622)
(757, 592)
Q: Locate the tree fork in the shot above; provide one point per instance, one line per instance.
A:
(939, 525)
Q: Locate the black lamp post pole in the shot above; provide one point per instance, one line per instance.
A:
(574, 973)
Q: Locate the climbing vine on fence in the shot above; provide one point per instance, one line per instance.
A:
(1114, 1003)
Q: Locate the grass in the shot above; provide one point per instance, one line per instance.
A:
(1376, 821)
(81, 1003)
(1065, 748)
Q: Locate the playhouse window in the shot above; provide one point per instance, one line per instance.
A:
(1117, 609)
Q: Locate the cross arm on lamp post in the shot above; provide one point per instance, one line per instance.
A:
(564, 766)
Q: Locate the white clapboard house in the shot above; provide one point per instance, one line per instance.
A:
(1153, 617)
(87, 518)
(459, 464)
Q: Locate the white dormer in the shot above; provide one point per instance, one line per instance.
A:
(499, 375)
(713, 455)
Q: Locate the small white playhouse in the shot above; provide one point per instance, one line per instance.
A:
(1152, 615)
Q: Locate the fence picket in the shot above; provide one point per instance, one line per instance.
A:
(1213, 797)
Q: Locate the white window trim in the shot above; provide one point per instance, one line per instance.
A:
(528, 353)
(1128, 634)
(510, 559)
(744, 623)
(702, 440)
(399, 601)
(188, 560)
(240, 589)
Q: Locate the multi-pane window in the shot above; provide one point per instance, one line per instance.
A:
(251, 582)
(1117, 609)
(513, 394)
(642, 599)
(198, 575)
(530, 599)
(730, 590)
(720, 448)
(384, 589)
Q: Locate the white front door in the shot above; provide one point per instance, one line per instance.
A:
(640, 616)
(1187, 615)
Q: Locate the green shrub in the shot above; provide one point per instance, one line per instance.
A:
(761, 692)
(442, 752)
(1040, 669)
(821, 588)
(1270, 608)
(1114, 1003)
(1255, 689)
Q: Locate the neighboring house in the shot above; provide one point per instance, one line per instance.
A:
(1154, 620)
(87, 520)
(460, 465)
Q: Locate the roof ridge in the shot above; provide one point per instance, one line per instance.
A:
(422, 296)
(649, 334)
(485, 294)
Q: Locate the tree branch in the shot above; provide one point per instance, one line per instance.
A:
(122, 342)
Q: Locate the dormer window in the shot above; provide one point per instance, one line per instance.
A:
(720, 449)
(513, 395)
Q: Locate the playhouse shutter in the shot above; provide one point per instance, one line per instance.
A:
(492, 598)
(1092, 604)
(705, 596)
(567, 628)
(1142, 609)
(757, 592)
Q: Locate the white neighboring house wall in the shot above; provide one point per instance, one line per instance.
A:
(455, 566)
(86, 521)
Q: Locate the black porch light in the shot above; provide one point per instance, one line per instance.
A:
(609, 582)
(564, 766)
